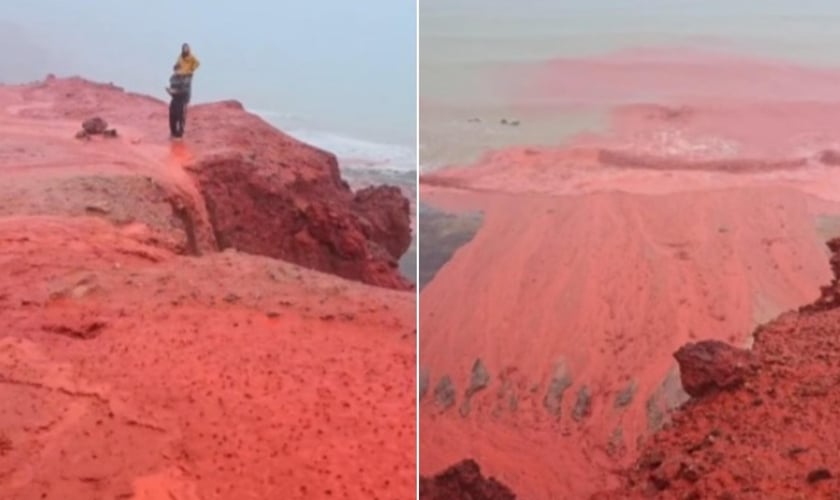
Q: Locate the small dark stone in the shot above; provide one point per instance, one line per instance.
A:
(95, 125)
(652, 459)
(817, 475)
(690, 474)
(659, 480)
(84, 331)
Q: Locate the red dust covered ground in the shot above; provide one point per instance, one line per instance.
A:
(136, 361)
(701, 213)
(774, 436)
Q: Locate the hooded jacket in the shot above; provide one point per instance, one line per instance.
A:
(186, 64)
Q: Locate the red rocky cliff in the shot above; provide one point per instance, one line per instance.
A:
(272, 195)
(247, 185)
(315, 221)
(772, 433)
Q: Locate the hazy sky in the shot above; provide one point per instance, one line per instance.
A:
(346, 66)
(464, 32)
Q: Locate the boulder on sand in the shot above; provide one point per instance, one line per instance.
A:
(711, 365)
(463, 481)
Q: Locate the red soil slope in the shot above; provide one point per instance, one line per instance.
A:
(137, 362)
(597, 260)
(774, 436)
(246, 185)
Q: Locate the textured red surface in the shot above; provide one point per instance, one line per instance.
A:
(138, 362)
(774, 437)
(700, 213)
(246, 185)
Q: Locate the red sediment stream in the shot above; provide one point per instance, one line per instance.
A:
(697, 215)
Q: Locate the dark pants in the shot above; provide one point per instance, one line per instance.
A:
(178, 114)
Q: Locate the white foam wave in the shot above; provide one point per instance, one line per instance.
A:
(360, 154)
(352, 153)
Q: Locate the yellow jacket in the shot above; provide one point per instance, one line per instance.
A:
(186, 65)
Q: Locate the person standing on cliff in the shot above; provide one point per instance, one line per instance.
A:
(180, 88)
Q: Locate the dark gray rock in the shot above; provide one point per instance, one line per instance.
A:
(583, 405)
(445, 393)
(560, 381)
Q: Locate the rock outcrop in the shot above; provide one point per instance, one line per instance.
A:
(463, 481)
(311, 221)
(248, 187)
(711, 365)
(770, 436)
(384, 212)
(829, 294)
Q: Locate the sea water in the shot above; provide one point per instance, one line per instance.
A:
(462, 42)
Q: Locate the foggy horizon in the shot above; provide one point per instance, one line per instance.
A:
(336, 67)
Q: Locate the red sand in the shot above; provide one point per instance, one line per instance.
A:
(691, 220)
(774, 436)
(131, 369)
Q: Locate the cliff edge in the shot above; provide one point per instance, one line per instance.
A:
(234, 182)
(194, 320)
